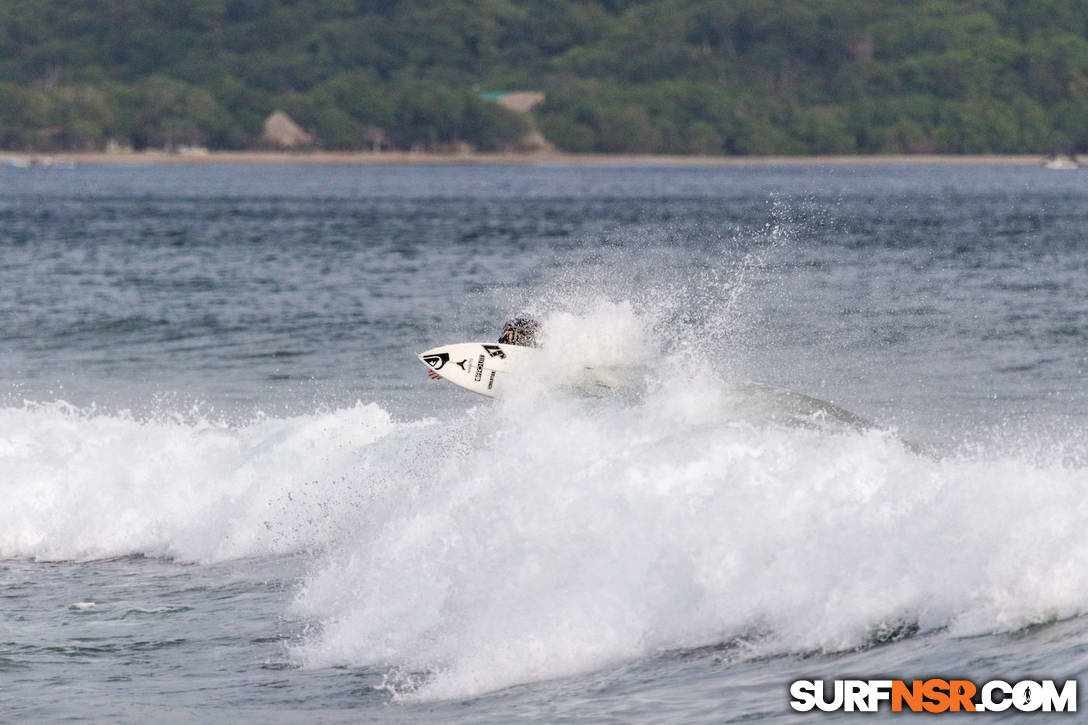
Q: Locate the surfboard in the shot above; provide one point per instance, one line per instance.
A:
(482, 367)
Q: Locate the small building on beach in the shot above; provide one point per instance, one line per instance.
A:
(520, 101)
(280, 131)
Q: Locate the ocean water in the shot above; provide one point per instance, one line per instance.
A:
(852, 440)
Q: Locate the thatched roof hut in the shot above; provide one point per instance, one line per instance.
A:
(520, 101)
(282, 132)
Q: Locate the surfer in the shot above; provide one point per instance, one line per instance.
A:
(519, 331)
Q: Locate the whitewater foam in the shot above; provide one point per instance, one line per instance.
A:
(82, 484)
(580, 533)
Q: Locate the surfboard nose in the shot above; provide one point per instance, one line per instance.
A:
(433, 362)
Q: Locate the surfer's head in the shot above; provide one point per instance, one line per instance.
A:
(519, 331)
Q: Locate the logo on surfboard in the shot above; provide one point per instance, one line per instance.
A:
(495, 351)
(437, 361)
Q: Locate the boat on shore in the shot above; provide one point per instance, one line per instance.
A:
(1061, 162)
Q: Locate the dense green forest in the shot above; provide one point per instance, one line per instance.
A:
(654, 76)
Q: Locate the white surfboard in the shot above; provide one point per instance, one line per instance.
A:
(482, 367)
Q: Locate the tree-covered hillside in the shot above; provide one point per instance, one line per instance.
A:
(657, 76)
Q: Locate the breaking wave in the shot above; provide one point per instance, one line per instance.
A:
(551, 533)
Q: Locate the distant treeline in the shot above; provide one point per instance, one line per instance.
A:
(648, 76)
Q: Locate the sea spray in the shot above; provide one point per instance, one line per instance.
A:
(561, 534)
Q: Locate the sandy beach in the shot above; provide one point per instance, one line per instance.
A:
(502, 159)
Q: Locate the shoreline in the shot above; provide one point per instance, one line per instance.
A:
(350, 158)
